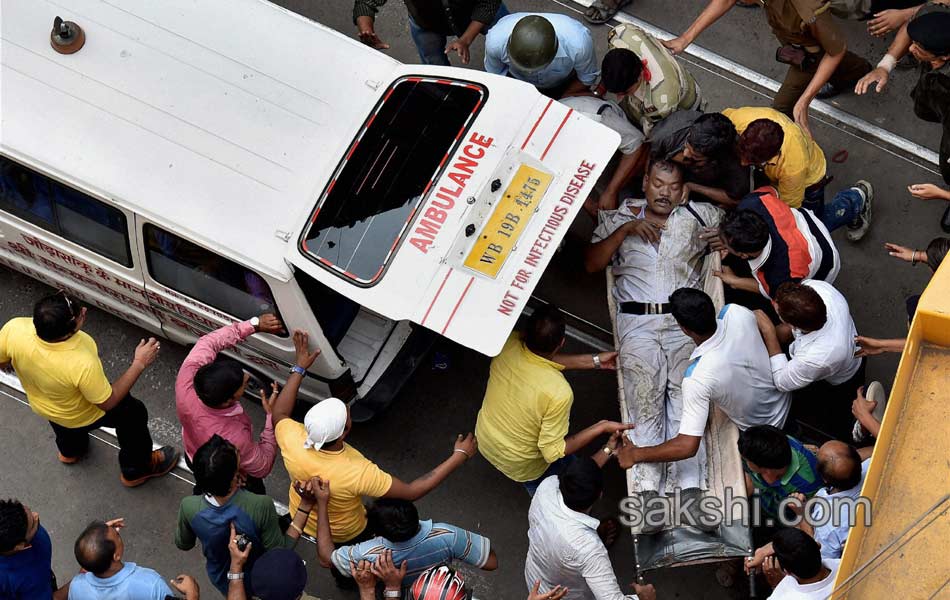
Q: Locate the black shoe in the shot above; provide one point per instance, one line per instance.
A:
(829, 90)
(161, 462)
(945, 221)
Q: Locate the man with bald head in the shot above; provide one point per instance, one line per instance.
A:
(99, 551)
(842, 468)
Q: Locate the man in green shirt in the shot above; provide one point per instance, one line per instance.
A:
(226, 510)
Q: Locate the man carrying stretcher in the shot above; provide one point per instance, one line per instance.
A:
(653, 248)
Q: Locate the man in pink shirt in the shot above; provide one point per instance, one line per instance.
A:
(208, 399)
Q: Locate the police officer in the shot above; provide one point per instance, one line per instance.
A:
(820, 66)
(553, 52)
(927, 37)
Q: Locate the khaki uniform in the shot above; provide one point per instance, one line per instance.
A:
(810, 25)
(666, 86)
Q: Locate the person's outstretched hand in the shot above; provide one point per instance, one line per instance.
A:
(677, 45)
(886, 21)
(146, 352)
(186, 586)
(878, 77)
(461, 47)
(645, 592)
(305, 357)
(557, 593)
(386, 571)
(928, 191)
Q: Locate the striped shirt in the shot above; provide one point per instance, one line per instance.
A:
(799, 245)
(801, 476)
(434, 544)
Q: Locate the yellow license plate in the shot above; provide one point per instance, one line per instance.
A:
(508, 221)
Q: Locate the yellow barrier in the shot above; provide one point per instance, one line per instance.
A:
(902, 554)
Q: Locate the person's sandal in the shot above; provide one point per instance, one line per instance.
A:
(602, 11)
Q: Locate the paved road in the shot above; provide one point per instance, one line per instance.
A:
(418, 429)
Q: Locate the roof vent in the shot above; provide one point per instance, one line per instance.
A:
(66, 37)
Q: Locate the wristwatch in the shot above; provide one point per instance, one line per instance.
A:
(392, 594)
(596, 358)
(606, 450)
(255, 322)
(233, 576)
(298, 370)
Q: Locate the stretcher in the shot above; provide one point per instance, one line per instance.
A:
(902, 552)
(683, 546)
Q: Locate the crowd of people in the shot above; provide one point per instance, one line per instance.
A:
(747, 183)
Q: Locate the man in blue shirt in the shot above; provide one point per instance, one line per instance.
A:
(553, 52)
(420, 544)
(26, 554)
(99, 551)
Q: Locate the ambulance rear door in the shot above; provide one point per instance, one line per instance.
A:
(451, 200)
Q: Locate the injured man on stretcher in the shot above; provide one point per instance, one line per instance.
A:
(653, 248)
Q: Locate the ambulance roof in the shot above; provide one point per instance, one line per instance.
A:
(224, 118)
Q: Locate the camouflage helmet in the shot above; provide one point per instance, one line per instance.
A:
(533, 44)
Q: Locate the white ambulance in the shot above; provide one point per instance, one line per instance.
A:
(184, 165)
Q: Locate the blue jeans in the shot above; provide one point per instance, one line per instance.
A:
(431, 45)
(844, 208)
(555, 468)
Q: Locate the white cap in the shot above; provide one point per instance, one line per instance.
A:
(324, 422)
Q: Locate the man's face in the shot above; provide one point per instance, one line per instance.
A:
(113, 535)
(770, 476)
(927, 57)
(630, 90)
(239, 393)
(32, 525)
(693, 158)
(664, 190)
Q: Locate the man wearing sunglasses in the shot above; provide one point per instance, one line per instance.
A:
(62, 375)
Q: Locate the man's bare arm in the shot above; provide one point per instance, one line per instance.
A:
(678, 448)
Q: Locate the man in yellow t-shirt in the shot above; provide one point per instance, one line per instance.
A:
(59, 368)
(316, 447)
(795, 164)
(525, 416)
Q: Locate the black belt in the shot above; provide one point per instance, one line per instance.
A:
(646, 308)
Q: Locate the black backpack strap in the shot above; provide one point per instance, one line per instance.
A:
(693, 212)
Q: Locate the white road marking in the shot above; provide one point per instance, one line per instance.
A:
(11, 381)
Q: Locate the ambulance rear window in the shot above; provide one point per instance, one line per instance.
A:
(364, 212)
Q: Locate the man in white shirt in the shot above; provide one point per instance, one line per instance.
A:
(841, 468)
(806, 575)
(654, 248)
(817, 319)
(729, 367)
(563, 546)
